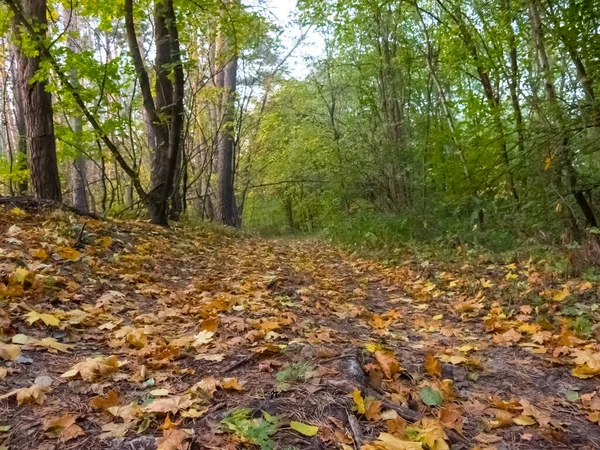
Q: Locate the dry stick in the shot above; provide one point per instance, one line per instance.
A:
(240, 363)
(356, 430)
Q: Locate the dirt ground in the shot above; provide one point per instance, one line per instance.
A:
(187, 327)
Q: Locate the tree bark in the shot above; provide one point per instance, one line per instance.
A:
(19, 119)
(79, 177)
(166, 114)
(227, 55)
(38, 112)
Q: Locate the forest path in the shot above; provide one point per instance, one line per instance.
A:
(187, 326)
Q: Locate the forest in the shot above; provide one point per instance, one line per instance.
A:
(299, 225)
(461, 121)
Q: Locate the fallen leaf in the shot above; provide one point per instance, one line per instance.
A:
(231, 383)
(485, 438)
(68, 253)
(93, 368)
(432, 365)
(430, 396)
(388, 363)
(104, 403)
(169, 405)
(359, 403)
(302, 428)
(174, 439)
(9, 352)
(48, 319)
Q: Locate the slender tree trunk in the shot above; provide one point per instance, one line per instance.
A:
(166, 113)
(563, 157)
(227, 54)
(79, 177)
(38, 113)
(19, 120)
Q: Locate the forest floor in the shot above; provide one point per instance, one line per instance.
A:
(122, 335)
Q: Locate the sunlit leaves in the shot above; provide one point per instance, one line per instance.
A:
(48, 319)
(93, 368)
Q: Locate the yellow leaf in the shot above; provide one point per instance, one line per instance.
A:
(39, 253)
(358, 401)
(17, 212)
(453, 359)
(194, 413)
(137, 338)
(9, 352)
(373, 347)
(486, 283)
(68, 253)
(389, 442)
(231, 383)
(524, 421)
(48, 319)
(585, 371)
(19, 276)
(53, 345)
(302, 428)
(438, 317)
(561, 295)
(548, 162)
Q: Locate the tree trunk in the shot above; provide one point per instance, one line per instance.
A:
(227, 54)
(19, 118)
(79, 180)
(166, 114)
(38, 113)
(562, 153)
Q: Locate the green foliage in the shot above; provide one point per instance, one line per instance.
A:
(257, 431)
(292, 374)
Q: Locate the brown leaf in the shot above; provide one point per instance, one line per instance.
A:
(169, 405)
(269, 365)
(485, 438)
(372, 409)
(63, 428)
(104, 403)
(93, 368)
(9, 352)
(432, 365)
(210, 324)
(388, 363)
(174, 440)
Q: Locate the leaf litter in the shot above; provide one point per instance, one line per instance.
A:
(125, 335)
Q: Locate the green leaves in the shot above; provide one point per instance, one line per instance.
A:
(430, 396)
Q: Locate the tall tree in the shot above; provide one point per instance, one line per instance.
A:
(79, 179)
(226, 75)
(166, 112)
(32, 80)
